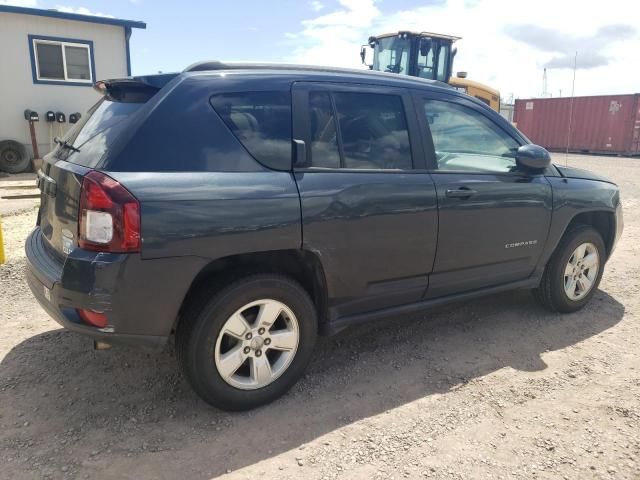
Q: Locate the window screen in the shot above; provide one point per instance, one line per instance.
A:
(374, 132)
(77, 63)
(262, 123)
(50, 61)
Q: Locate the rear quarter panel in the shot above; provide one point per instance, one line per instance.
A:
(215, 214)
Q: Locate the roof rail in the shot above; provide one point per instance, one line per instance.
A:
(214, 65)
(218, 65)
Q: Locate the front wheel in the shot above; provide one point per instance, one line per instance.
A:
(574, 271)
(249, 343)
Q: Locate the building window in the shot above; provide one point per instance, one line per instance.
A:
(62, 61)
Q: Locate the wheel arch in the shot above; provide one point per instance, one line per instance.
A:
(603, 221)
(303, 266)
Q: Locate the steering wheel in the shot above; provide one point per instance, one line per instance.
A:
(394, 68)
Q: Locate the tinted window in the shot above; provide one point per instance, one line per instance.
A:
(373, 130)
(324, 141)
(262, 122)
(100, 118)
(464, 139)
(103, 115)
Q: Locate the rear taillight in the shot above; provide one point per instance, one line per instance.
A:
(93, 318)
(109, 216)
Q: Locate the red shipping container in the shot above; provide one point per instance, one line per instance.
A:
(600, 124)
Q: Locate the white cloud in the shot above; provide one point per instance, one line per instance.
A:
(316, 6)
(489, 51)
(82, 11)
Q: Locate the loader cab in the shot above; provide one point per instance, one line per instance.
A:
(424, 55)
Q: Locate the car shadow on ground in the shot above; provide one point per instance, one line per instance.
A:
(126, 413)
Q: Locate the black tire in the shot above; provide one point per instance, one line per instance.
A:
(551, 292)
(13, 157)
(202, 322)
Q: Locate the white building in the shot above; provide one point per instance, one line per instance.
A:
(49, 61)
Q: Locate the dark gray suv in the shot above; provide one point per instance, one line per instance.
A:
(248, 208)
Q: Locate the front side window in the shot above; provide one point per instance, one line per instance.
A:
(262, 123)
(465, 140)
(62, 61)
(391, 54)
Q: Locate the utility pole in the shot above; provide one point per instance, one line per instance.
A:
(573, 91)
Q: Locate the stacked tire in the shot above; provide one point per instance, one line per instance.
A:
(13, 157)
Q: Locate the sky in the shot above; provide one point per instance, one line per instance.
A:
(505, 43)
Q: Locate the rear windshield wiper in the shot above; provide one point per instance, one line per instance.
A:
(65, 144)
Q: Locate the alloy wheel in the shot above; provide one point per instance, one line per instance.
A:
(257, 344)
(581, 271)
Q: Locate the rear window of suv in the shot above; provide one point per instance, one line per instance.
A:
(104, 115)
(261, 121)
(92, 134)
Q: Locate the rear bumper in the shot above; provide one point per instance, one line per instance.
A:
(140, 298)
(69, 319)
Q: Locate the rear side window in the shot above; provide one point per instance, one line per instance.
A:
(371, 131)
(262, 123)
(324, 139)
(374, 132)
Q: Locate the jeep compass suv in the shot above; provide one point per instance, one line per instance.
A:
(249, 208)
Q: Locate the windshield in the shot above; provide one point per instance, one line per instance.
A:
(391, 54)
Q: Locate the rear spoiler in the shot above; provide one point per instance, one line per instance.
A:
(132, 89)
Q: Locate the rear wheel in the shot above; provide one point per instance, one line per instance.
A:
(13, 157)
(574, 271)
(249, 343)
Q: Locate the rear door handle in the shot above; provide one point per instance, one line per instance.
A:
(462, 192)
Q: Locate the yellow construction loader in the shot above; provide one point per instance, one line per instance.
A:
(425, 55)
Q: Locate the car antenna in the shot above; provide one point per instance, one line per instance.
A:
(573, 89)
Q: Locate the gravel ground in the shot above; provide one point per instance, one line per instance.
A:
(492, 388)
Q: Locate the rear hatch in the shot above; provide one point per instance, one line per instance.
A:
(86, 147)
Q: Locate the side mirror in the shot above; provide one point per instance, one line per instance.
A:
(533, 157)
(363, 55)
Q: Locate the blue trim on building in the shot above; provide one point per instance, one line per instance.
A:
(72, 16)
(127, 37)
(34, 71)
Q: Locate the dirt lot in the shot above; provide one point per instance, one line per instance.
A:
(493, 388)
